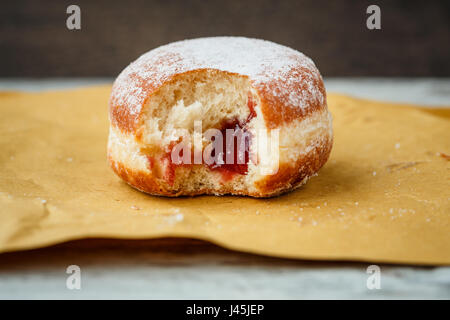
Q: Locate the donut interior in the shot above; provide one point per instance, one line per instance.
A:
(221, 101)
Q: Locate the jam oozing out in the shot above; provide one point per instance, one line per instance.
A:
(169, 174)
(227, 170)
(251, 107)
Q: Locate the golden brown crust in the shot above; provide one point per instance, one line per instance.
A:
(287, 178)
(276, 113)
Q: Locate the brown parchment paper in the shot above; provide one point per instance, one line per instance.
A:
(382, 197)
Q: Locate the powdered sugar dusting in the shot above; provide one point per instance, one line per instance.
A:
(280, 72)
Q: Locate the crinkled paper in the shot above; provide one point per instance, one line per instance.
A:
(382, 197)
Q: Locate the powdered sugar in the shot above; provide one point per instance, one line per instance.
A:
(283, 73)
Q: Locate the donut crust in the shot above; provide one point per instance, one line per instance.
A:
(140, 81)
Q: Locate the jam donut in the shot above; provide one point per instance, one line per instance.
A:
(221, 115)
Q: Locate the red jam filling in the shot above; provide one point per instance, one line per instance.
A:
(227, 170)
(251, 107)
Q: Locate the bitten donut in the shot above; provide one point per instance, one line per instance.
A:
(221, 115)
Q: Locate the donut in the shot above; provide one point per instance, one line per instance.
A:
(219, 115)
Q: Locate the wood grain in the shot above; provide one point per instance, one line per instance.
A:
(413, 41)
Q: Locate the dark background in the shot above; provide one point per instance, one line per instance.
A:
(414, 39)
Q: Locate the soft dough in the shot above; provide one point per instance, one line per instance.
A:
(251, 85)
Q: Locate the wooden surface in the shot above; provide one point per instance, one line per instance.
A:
(413, 41)
(191, 269)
